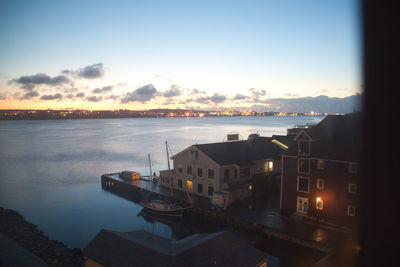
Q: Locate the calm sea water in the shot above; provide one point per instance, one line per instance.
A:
(50, 170)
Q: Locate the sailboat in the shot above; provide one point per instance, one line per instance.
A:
(163, 207)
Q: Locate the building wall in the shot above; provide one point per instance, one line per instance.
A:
(335, 193)
(196, 159)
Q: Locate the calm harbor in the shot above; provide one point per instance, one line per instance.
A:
(51, 169)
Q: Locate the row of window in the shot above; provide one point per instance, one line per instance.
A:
(210, 189)
(302, 206)
(303, 184)
(304, 165)
(189, 170)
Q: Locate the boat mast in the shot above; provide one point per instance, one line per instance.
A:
(169, 169)
(151, 174)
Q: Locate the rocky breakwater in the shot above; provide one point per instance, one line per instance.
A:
(28, 236)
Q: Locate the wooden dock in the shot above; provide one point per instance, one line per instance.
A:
(135, 193)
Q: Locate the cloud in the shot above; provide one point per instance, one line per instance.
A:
(257, 93)
(51, 97)
(102, 90)
(80, 95)
(142, 94)
(94, 98)
(28, 82)
(216, 98)
(320, 103)
(29, 95)
(175, 90)
(240, 97)
(89, 72)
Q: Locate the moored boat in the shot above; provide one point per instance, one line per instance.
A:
(164, 208)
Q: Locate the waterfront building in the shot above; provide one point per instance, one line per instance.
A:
(226, 167)
(140, 248)
(321, 170)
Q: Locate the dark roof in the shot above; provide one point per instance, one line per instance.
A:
(335, 137)
(139, 248)
(243, 153)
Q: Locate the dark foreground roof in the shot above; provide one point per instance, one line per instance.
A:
(139, 248)
(243, 153)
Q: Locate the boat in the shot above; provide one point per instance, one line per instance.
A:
(160, 207)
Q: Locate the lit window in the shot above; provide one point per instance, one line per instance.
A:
(304, 165)
(319, 204)
(320, 164)
(352, 188)
(189, 185)
(320, 183)
(303, 184)
(351, 211)
(269, 166)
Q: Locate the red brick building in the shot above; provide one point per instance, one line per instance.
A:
(321, 170)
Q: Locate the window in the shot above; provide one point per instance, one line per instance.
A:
(320, 183)
(199, 172)
(200, 188)
(180, 169)
(180, 185)
(304, 148)
(196, 155)
(226, 174)
(210, 190)
(353, 167)
(351, 211)
(269, 166)
(319, 204)
(352, 188)
(320, 164)
(304, 165)
(189, 169)
(211, 173)
(302, 184)
(189, 185)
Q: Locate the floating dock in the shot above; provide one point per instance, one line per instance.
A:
(136, 190)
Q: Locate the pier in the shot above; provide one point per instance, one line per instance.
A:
(297, 232)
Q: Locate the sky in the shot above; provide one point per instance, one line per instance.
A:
(176, 54)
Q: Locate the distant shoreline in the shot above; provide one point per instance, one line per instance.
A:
(157, 113)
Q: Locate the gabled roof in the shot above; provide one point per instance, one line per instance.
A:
(139, 248)
(243, 153)
(336, 137)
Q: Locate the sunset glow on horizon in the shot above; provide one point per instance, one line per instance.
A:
(101, 55)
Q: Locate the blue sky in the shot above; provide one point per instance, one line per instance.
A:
(214, 48)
